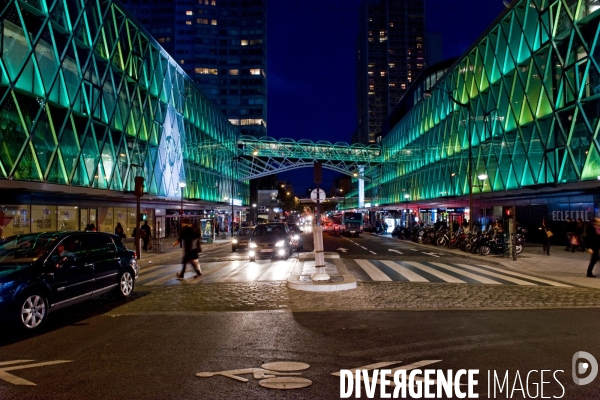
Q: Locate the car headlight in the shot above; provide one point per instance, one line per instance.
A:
(279, 244)
(234, 241)
(252, 245)
(296, 237)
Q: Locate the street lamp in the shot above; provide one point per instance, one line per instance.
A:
(254, 216)
(406, 214)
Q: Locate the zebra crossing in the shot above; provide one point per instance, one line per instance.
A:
(217, 272)
(364, 270)
(438, 272)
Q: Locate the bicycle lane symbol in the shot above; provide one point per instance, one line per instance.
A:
(275, 375)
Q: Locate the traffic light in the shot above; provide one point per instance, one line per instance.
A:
(509, 212)
(139, 186)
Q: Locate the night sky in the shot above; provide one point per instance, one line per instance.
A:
(312, 68)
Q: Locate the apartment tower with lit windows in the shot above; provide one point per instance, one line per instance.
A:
(222, 46)
(390, 55)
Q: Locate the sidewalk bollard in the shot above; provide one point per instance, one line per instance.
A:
(320, 275)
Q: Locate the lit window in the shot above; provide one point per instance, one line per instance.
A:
(255, 71)
(381, 33)
(205, 71)
(202, 21)
(161, 40)
(392, 65)
(213, 21)
(234, 121)
(391, 24)
(234, 72)
(382, 73)
(403, 85)
(244, 42)
(371, 93)
(392, 85)
(181, 61)
(213, 2)
(188, 22)
(189, 12)
(382, 39)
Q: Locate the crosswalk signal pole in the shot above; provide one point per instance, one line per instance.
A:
(320, 275)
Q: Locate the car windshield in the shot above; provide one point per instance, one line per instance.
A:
(25, 247)
(268, 230)
(294, 228)
(245, 231)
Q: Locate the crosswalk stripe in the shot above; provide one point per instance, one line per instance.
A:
(526, 276)
(476, 277)
(278, 272)
(435, 272)
(373, 272)
(405, 272)
(501, 276)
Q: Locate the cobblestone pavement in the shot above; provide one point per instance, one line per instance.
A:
(269, 296)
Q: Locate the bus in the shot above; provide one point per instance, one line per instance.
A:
(350, 223)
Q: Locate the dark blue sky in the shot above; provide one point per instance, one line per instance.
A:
(312, 68)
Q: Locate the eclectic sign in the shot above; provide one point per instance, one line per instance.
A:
(560, 212)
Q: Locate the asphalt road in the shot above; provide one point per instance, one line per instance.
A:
(157, 356)
(253, 332)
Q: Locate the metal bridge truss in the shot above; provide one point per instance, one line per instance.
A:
(264, 156)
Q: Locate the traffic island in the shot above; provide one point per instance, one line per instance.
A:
(305, 268)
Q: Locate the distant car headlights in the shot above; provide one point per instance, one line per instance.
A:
(252, 245)
(234, 241)
(281, 243)
(296, 237)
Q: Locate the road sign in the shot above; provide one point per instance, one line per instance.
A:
(322, 195)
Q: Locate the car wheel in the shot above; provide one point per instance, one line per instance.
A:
(126, 283)
(233, 249)
(519, 248)
(485, 250)
(33, 312)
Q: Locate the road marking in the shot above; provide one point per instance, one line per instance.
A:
(373, 272)
(396, 251)
(525, 276)
(476, 277)
(269, 372)
(343, 250)
(501, 276)
(15, 380)
(435, 272)
(364, 247)
(431, 254)
(405, 272)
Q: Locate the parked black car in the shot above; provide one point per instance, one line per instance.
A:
(270, 240)
(42, 272)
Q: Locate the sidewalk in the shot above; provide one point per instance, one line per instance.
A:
(561, 266)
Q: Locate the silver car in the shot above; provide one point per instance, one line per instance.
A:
(240, 240)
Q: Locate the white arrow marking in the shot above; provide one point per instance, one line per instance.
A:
(343, 250)
(15, 380)
(395, 251)
(414, 249)
(431, 254)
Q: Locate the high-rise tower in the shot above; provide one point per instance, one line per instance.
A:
(390, 55)
(222, 45)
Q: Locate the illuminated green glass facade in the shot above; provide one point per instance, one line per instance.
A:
(529, 94)
(89, 99)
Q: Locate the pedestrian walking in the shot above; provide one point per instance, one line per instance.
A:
(593, 244)
(145, 232)
(546, 235)
(190, 237)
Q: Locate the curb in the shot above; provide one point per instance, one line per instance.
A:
(343, 280)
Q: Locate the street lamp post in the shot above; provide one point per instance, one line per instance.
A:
(254, 216)
(406, 214)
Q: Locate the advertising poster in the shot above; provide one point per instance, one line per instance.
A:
(43, 219)
(14, 220)
(67, 218)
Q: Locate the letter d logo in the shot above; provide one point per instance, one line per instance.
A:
(584, 367)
